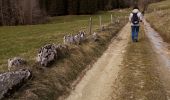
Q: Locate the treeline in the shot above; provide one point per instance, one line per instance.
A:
(63, 7)
(17, 12)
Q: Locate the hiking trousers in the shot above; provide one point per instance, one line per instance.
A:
(135, 31)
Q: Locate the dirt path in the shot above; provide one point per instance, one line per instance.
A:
(97, 83)
(129, 71)
(139, 77)
(162, 50)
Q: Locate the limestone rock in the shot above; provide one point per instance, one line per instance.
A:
(74, 39)
(95, 36)
(10, 81)
(16, 63)
(47, 54)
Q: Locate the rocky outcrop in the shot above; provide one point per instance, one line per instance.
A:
(10, 81)
(16, 63)
(75, 39)
(95, 36)
(51, 52)
(47, 54)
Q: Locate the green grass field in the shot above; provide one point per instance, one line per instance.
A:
(24, 41)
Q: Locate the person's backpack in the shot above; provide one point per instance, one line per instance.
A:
(135, 18)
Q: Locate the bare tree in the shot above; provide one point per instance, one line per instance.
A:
(143, 4)
(1, 13)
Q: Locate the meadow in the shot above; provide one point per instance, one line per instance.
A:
(24, 41)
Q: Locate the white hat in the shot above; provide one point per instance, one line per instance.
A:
(135, 11)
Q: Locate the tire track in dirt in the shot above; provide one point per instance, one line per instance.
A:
(98, 82)
(162, 50)
(139, 78)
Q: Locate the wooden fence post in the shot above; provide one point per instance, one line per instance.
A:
(90, 26)
(111, 18)
(100, 22)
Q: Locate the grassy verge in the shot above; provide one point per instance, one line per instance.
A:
(50, 83)
(139, 78)
(158, 17)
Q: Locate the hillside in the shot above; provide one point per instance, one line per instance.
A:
(158, 16)
(52, 82)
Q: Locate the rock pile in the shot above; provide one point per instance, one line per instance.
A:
(12, 80)
(47, 54)
(50, 52)
(74, 39)
(117, 21)
(95, 36)
(68, 39)
(16, 63)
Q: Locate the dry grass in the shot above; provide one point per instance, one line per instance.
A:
(50, 83)
(158, 16)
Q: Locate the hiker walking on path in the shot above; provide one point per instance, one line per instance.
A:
(135, 18)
